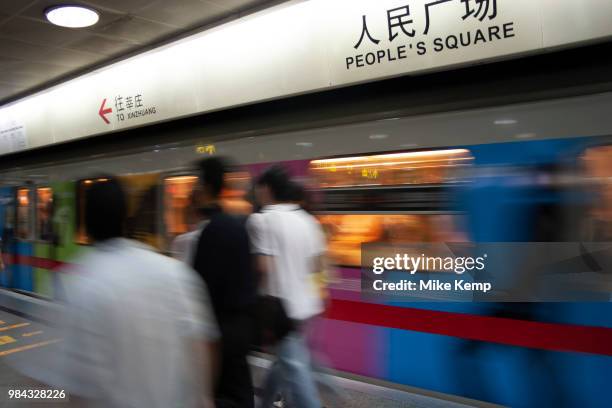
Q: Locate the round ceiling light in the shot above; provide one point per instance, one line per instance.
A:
(72, 16)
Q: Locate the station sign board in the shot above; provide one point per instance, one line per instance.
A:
(298, 47)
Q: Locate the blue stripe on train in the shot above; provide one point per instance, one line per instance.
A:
(23, 274)
(507, 375)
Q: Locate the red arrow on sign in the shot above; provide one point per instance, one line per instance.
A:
(103, 111)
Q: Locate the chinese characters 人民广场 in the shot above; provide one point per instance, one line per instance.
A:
(400, 18)
(403, 26)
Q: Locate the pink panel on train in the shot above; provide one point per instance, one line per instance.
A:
(297, 168)
(351, 347)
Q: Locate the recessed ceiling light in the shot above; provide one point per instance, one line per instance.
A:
(378, 137)
(72, 16)
(304, 144)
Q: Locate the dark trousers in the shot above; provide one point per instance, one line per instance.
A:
(235, 387)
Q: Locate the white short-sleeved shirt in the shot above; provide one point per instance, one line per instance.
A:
(185, 245)
(293, 239)
(131, 318)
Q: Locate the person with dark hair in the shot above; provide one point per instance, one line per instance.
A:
(105, 210)
(223, 260)
(298, 194)
(137, 324)
(275, 185)
(289, 245)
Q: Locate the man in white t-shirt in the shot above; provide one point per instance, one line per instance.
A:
(289, 245)
(137, 328)
(184, 246)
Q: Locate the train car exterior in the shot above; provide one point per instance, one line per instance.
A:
(389, 341)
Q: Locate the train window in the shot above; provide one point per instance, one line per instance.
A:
(409, 168)
(177, 196)
(24, 219)
(598, 172)
(177, 191)
(396, 198)
(81, 234)
(346, 232)
(44, 213)
(233, 196)
(142, 192)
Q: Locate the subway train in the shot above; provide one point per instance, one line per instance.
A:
(398, 179)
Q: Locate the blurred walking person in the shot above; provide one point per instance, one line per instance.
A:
(184, 246)
(224, 261)
(137, 325)
(289, 245)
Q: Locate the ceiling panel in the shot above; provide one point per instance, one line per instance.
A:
(5, 61)
(37, 32)
(22, 50)
(71, 58)
(9, 88)
(39, 69)
(14, 6)
(135, 29)
(235, 4)
(102, 45)
(123, 6)
(182, 12)
(20, 79)
(34, 53)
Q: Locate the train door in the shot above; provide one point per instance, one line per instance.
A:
(45, 241)
(177, 190)
(597, 169)
(142, 192)
(22, 278)
(179, 201)
(7, 237)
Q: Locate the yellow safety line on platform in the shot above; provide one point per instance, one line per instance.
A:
(34, 333)
(28, 347)
(15, 326)
(6, 340)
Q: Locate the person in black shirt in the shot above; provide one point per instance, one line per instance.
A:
(223, 260)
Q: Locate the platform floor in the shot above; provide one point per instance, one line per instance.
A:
(22, 338)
